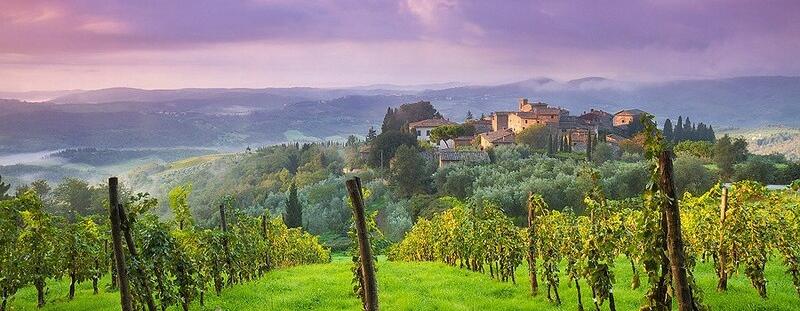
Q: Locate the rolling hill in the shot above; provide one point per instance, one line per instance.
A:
(126, 117)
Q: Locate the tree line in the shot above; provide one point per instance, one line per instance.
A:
(685, 130)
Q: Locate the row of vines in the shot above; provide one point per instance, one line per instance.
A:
(738, 228)
(757, 225)
(175, 262)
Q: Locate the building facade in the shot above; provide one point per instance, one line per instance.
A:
(628, 117)
(422, 129)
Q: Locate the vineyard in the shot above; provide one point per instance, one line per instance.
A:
(166, 263)
(653, 252)
(738, 229)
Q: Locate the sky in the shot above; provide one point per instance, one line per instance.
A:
(91, 44)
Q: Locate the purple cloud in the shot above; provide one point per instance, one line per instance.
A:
(507, 38)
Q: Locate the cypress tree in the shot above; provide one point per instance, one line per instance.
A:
(687, 129)
(677, 133)
(388, 121)
(294, 212)
(668, 133)
(589, 148)
(371, 134)
(4, 187)
(711, 136)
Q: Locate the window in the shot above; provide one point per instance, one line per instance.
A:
(419, 133)
(428, 133)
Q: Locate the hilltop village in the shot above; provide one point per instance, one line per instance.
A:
(552, 128)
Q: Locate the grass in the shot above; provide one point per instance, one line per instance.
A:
(193, 161)
(425, 286)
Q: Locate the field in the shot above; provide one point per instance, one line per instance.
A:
(425, 286)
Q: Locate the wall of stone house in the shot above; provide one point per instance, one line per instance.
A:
(623, 119)
(499, 121)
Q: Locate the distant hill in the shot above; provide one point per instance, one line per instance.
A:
(744, 101)
(769, 140)
(37, 96)
(214, 117)
(122, 94)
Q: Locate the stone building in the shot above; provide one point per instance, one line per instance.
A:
(598, 119)
(495, 138)
(422, 129)
(628, 117)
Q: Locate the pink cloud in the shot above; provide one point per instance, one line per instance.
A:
(328, 42)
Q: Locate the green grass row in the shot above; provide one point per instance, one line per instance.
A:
(425, 286)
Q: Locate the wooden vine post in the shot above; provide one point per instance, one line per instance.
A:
(589, 147)
(225, 247)
(364, 248)
(675, 246)
(265, 234)
(722, 284)
(119, 257)
(532, 245)
(126, 231)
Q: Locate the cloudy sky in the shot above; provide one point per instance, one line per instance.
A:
(87, 44)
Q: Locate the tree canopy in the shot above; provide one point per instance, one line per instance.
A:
(537, 136)
(451, 131)
(396, 119)
(408, 175)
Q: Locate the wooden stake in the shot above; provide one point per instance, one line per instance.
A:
(722, 284)
(364, 248)
(265, 233)
(532, 246)
(225, 247)
(126, 230)
(675, 247)
(119, 256)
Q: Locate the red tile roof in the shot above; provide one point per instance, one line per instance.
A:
(506, 135)
(429, 123)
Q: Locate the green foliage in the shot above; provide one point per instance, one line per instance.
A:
(451, 131)
(536, 136)
(757, 223)
(686, 131)
(12, 274)
(396, 119)
(727, 153)
(698, 149)
(692, 175)
(383, 147)
(774, 170)
(83, 251)
(599, 243)
(408, 174)
(467, 238)
(179, 204)
(4, 187)
(604, 152)
(75, 197)
(634, 145)
(294, 211)
(38, 241)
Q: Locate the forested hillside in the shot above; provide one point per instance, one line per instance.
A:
(771, 140)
